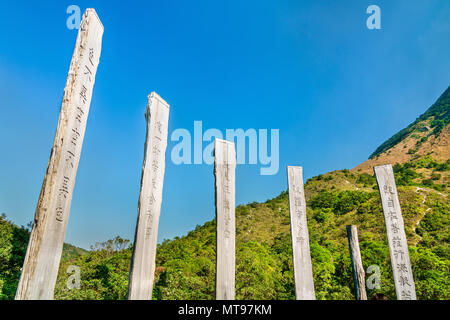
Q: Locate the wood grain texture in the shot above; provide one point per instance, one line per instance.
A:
(44, 250)
(224, 171)
(395, 229)
(357, 266)
(303, 276)
(142, 268)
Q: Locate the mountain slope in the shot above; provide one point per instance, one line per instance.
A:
(185, 266)
(428, 135)
(13, 246)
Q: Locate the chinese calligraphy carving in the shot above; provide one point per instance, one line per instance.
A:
(143, 261)
(43, 255)
(357, 266)
(224, 171)
(398, 246)
(304, 285)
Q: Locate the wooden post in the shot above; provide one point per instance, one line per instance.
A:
(224, 171)
(44, 250)
(142, 268)
(303, 276)
(357, 266)
(398, 246)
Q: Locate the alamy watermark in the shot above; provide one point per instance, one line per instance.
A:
(374, 20)
(74, 19)
(374, 281)
(191, 150)
(74, 280)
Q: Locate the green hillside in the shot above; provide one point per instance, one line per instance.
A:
(438, 116)
(13, 246)
(185, 267)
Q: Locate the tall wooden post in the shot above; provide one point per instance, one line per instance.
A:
(44, 250)
(303, 276)
(224, 171)
(357, 266)
(395, 229)
(144, 251)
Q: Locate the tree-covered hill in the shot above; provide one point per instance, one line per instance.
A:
(13, 246)
(433, 121)
(185, 266)
(428, 136)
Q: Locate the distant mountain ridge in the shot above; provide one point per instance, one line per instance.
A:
(428, 135)
(439, 113)
(185, 266)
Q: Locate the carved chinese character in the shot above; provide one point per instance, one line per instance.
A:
(155, 150)
(83, 93)
(401, 267)
(64, 189)
(226, 204)
(88, 72)
(91, 56)
(299, 213)
(155, 165)
(152, 199)
(388, 189)
(69, 158)
(404, 280)
(396, 242)
(59, 214)
(392, 216)
(395, 228)
(406, 295)
(75, 135)
(159, 126)
(390, 203)
(79, 114)
(399, 253)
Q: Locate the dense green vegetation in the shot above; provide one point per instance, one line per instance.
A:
(13, 245)
(407, 175)
(439, 116)
(185, 266)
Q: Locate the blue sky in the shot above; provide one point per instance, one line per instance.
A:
(335, 90)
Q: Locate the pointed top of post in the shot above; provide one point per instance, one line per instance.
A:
(224, 157)
(152, 97)
(91, 11)
(217, 140)
(388, 165)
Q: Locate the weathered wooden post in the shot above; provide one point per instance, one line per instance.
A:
(142, 268)
(43, 255)
(224, 171)
(398, 246)
(357, 267)
(303, 276)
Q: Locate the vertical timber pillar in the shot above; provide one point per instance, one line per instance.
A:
(142, 268)
(395, 229)
(40, 269)
(303, 276)
(357, 266)
(224, 171)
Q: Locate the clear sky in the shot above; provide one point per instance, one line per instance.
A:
(312, 69)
